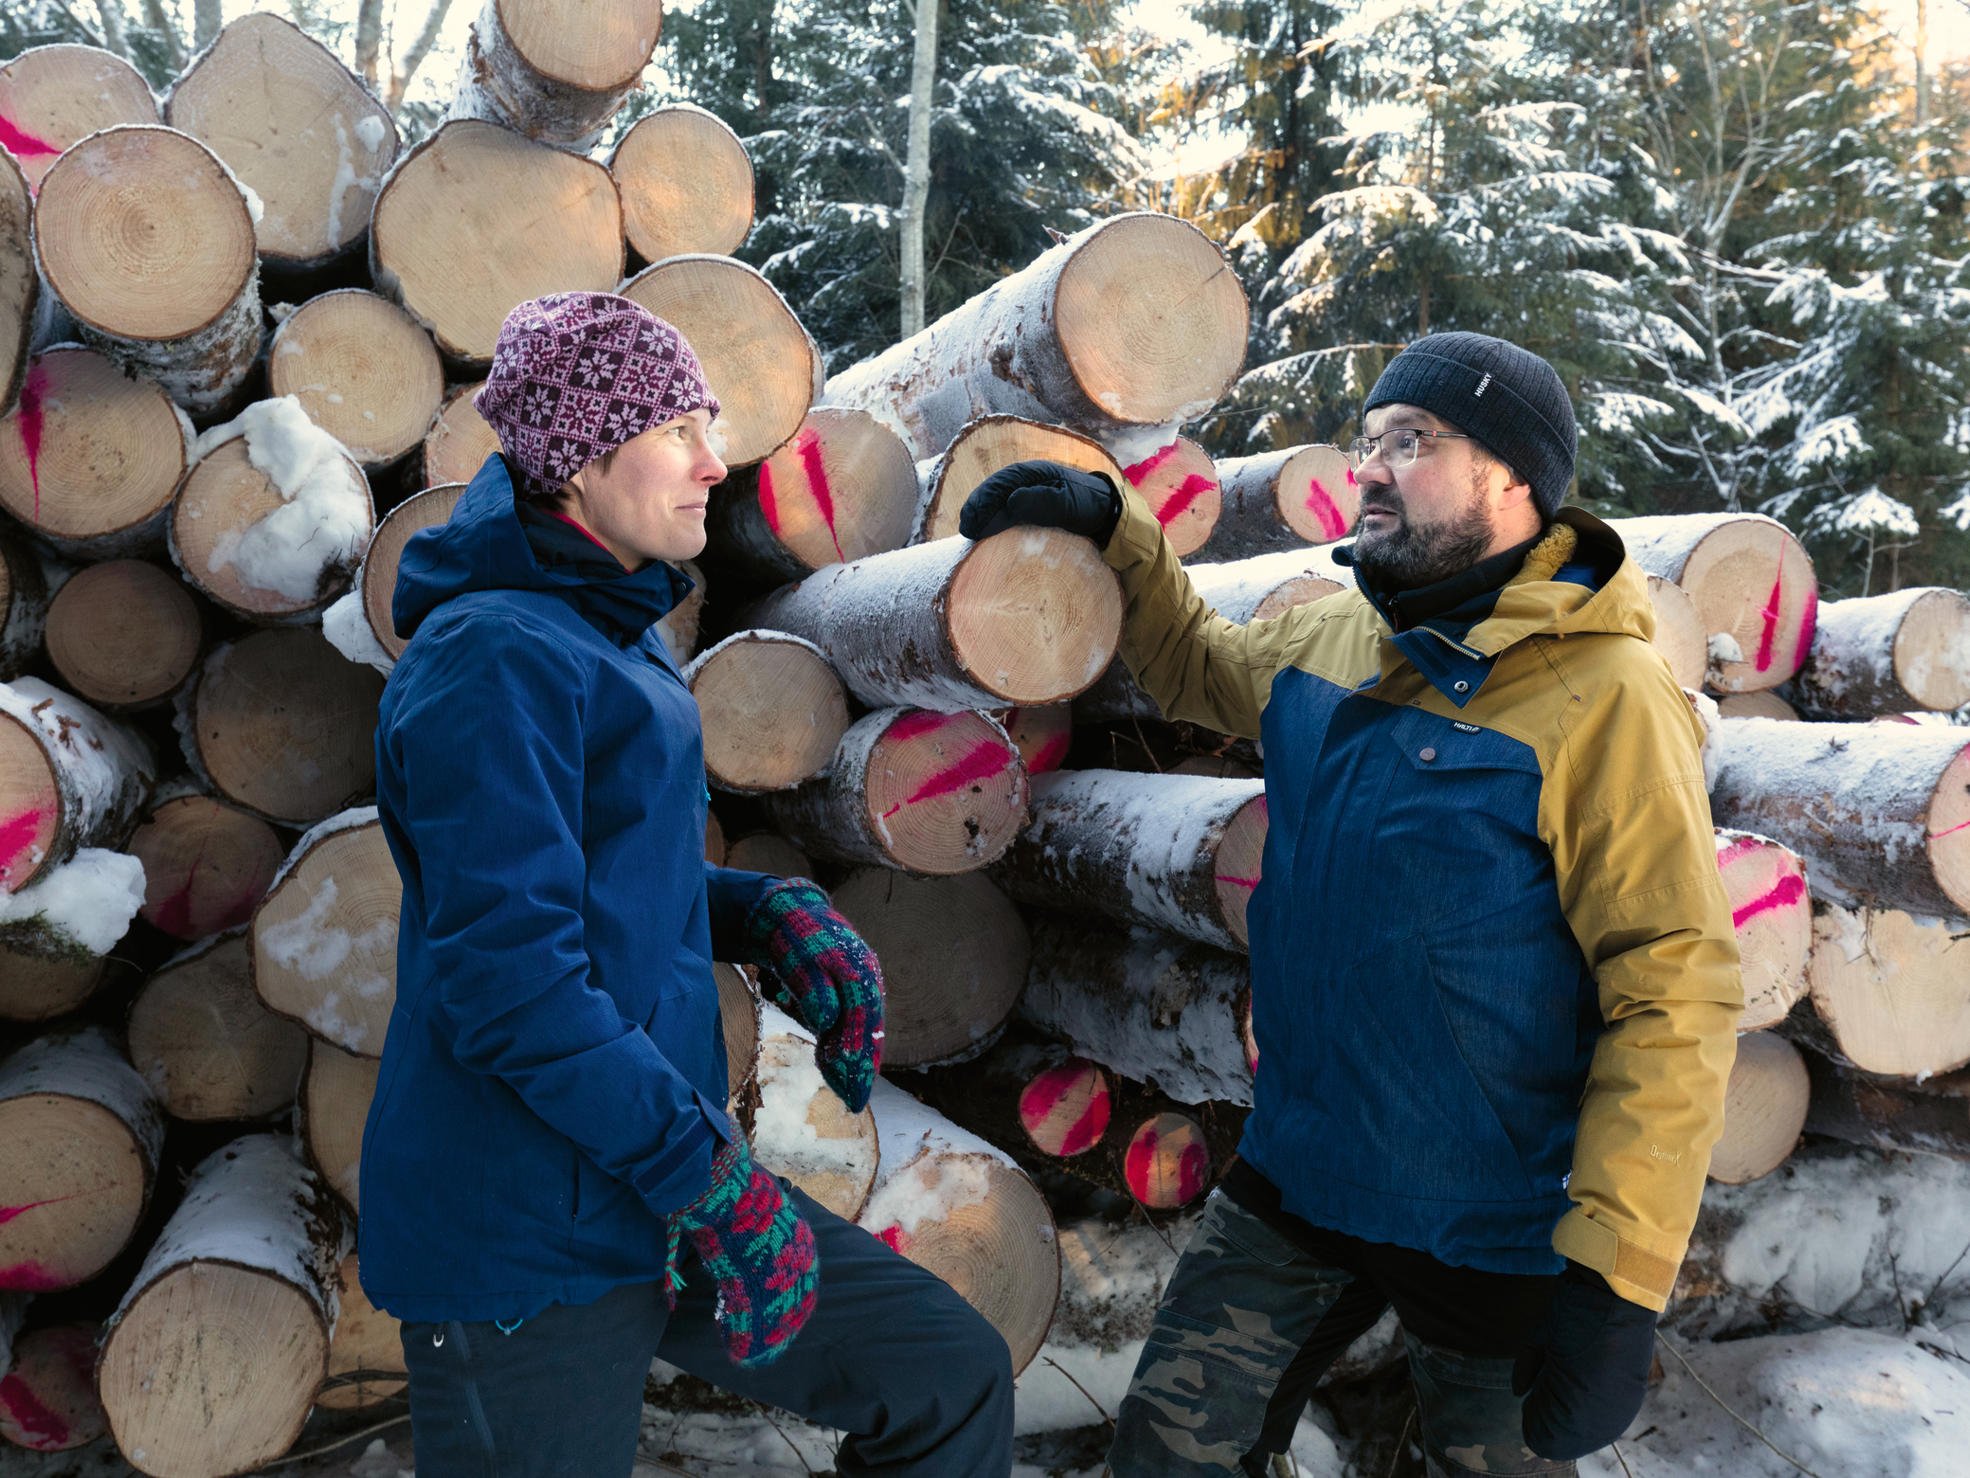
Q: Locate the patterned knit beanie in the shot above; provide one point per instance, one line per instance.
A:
(1509, 398)
(575, 375)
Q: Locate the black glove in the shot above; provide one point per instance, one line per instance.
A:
(1043, 493)
(1587, 1369)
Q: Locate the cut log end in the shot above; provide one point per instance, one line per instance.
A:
(206, 865)
(335, 1095)
(770, 853)
(1179, 485)
(1035, 615)
(1168, 1162)
(945, 792)
(76, 1184)
(379, 572)
(842, 488)
(1888, 988)
(1679, 633)
(207, 1046)
(362, 369)
(1765, 883)
(1064, 1110)
(687, 185)
(459, 441)
(124, 633)
(1753, 585)
(738, 1016)
(1949, 831)
(1764, 1109)
(771, 708)
(985, 445)
(1762, 703)
(325, 939)
(803, 1131)
(55, 96)
(1238, 858)
(48, 1396)
(366, 1352)
(1931, 656)
(1316, 495)
(36, 987)
(1042, 735)
(31, 805)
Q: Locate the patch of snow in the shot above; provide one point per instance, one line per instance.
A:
(346, 625)
(89, 899)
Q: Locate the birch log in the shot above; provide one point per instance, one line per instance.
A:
(686, 183)
(69, 778)
(1888, 654)
(363, 370)
(35, 986)
(987, 444)
(364, 1354)
(771, 709)
(1179, 485)
(1282, 500)
(1766, 885)
(55, 96)
(1929, 1117)
(204, 1042)
(459, 441)
(555, 70)
(24, 606)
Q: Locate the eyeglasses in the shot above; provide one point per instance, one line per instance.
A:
(1404, 442)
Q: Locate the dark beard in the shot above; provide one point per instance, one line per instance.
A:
(1412, 557)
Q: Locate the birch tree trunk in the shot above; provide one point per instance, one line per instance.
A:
(916, 168)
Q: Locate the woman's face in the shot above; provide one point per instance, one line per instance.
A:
(649, 501)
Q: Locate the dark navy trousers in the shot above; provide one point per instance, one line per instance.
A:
(917, 1379)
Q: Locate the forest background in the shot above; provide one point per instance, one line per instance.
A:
(1738, 228)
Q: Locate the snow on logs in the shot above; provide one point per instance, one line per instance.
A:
(1751, 581)
(297, 128)
(205, 1043)
(771, 708)
(124, 634)
(362, 370)
(146, 238)
(1880, 812)
(1135, 322)
(20, 288)
(1028, 616)
(80, 1136)
(555, 70)
(925, 792)
(1179, 486)
(686, 183)
(956, 1205)
(1764, 1109)
(55, 96)
(213, 1359)
(757, 358)
(1175, 852)
(48, 1397)
(206, 864)
(1282, 500)
(1888, 991)
(981, 448)
(802, 1130)
(446, 242)
(1896, 653)
(1766, 884)
(69, 778)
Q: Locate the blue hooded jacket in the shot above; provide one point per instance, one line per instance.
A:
(553, 1083)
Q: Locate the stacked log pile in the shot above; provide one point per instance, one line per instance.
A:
(205, 499)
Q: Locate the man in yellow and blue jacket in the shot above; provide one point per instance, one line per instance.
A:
(1495, 983)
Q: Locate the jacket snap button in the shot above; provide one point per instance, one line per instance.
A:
(1462, 687)
(1427, 755)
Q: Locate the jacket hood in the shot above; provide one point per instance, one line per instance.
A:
(1577, 579)
(483, 546)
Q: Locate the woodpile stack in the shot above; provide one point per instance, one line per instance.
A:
(205, 501)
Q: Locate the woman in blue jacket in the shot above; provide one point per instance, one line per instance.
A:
(552, 1194)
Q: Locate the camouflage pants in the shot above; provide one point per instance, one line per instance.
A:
(1248, 1325)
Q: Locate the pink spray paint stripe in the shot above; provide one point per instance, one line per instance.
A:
(1320, 503)
(1049, 755)
(33, 392)
(769, 506)
(34, 1420)
(8, 1213)
(1178, 503)
(1770, 615)
(892, 1237)
(17, 835)
(980, 762)
(24, 145)
(1937, 836)
(1043, 1096)
(1238, 882)
(1807, 623)
(1142, 470)
(915, 724)
(31, 1277)
(807, 446)
(1789, 890)
(1738, 849)
(1194, 1168)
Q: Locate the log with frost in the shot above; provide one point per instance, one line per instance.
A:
(460, 440)
(1751, 581)
(124, 634)
(55, 96)
(1135, 321)
(686, 183)
(325, 936)
(214, 1356)
(1028, 616)
(771, 708)
(273, 518)
(842, 488)
(954, 956)
(1175, 852)
(1888, 654)
(366, 1354)
(1679, 633)
(376, 580)
(446, 242)
(80, 1136)
(69, 778)
(1179, 485)
(982, 447)
(802, 1130)
(1173, 1014)
(1282, 500)
(23, 605)
(146, 238)
(1764, 1109)
(1764, 703)
(91, 457)
(204, 1042)
(297, 128)
(925, 792)
(1042, 735)
(1881, 813)
(757, 358)
(20, 288)
(1766, 884)
(362, 370)
(206, 864)
(298, 758)
(75, 911)
(48, 1399)
(1890, 991)
(555, 70)
(36, 986)
(768, 852)
(1927, 1117)
(962, 1208)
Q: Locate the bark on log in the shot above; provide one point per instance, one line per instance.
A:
(932, 793)
(1765, 703)
(1135, 321)
(981, 448)
(124, 634)
(1042, 735)
(1172, 852)
(39, 987)
(296, 762)
(770, 853)
(69, 778)
(1888, 654)
(954, 955)
(954, 1204)
(365, 1352)
(446, 242)
(1029, 616)
(459, 441)
(20, 287)
(1764, 1109)
(297, 128)
(80, 1137)
(206, 865)
(204, 1042)
(1679, 634)
(757, 358)
(90, 458)
(1766, 884)
(801, 1130)
(377, 579)
(686, 183)
(771, 708)
(1282, 500)
(325, 936)
(739, 1007)
(23, 606)
(144, 236)
(1752, 583)
(214, 1357)
(1881, 813)
(1174, 1015)
(1890, 992)
(1928, 1118)
(55, 96)
(844, 487)
(1179, 484)
(363, 370)
(555, 70)
(336, 1089)
(48, 1397)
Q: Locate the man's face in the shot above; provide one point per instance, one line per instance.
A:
(649, 502)
(1432, 519)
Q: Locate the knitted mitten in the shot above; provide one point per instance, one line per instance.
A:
(829, 978)
(759, 1250)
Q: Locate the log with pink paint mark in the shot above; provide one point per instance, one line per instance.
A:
(1179, 485)
(1765, 885)
(1281, 500)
